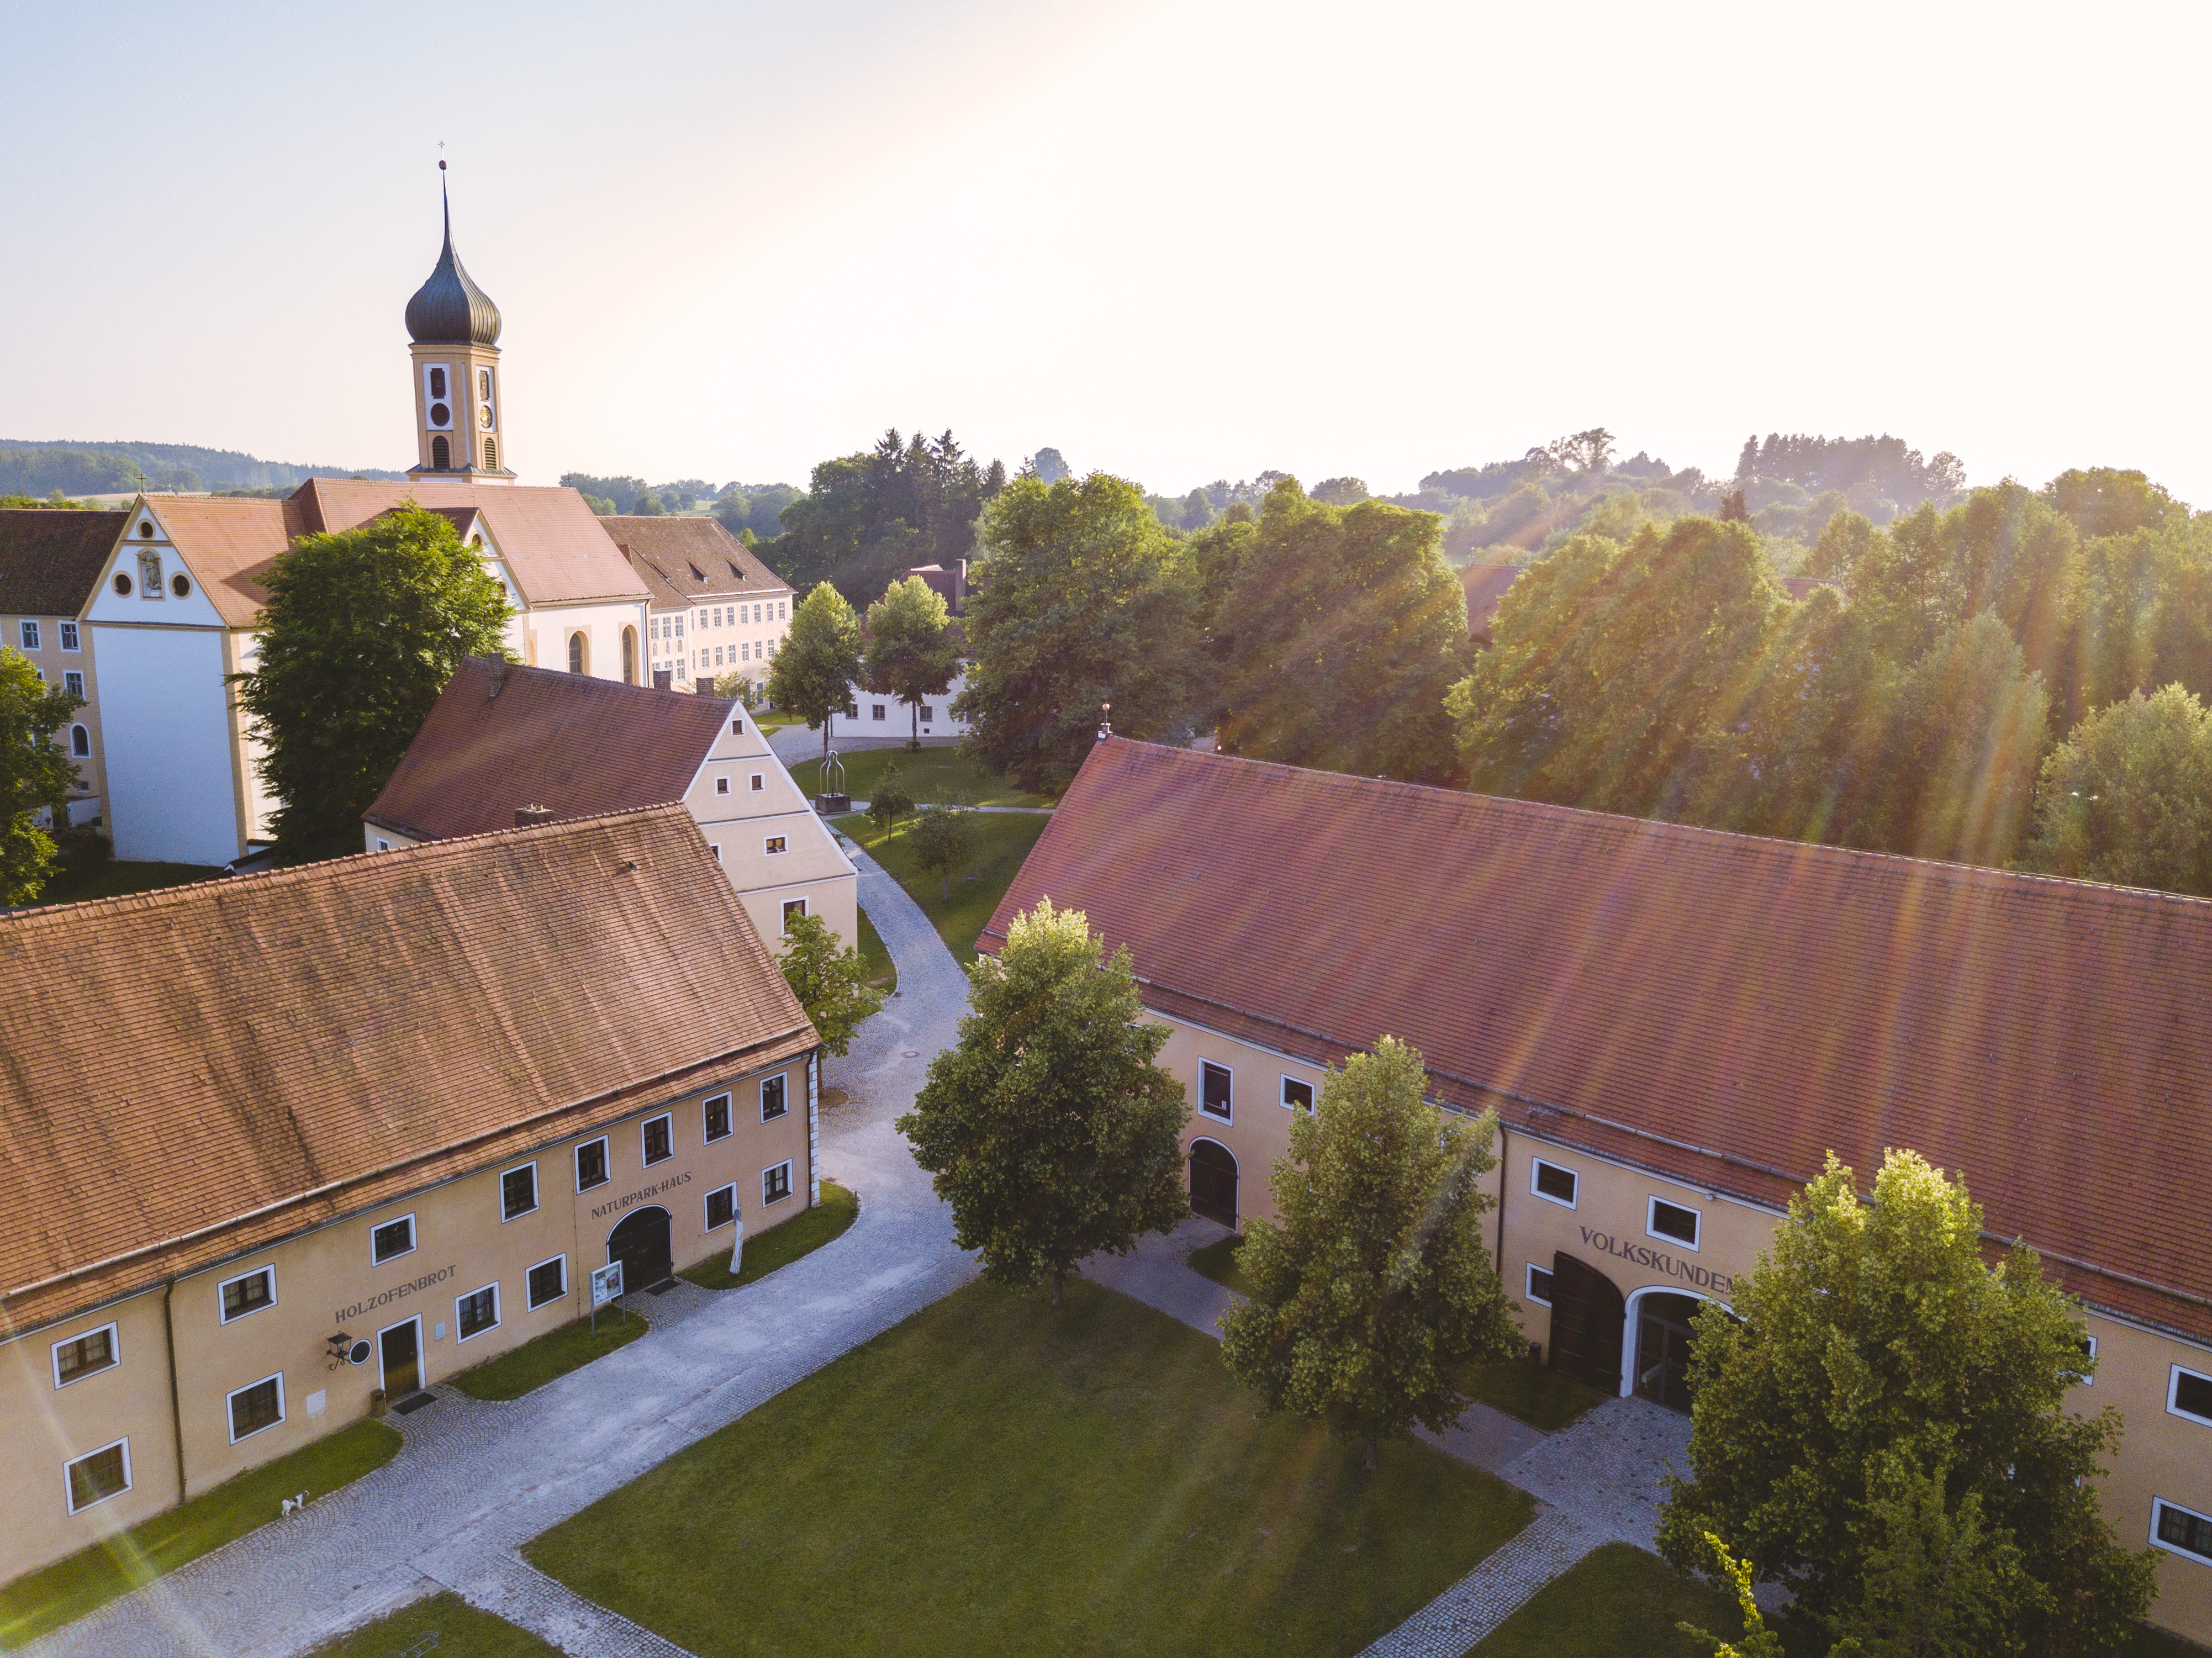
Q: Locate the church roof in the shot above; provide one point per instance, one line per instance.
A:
(449, 308)
(50, 558)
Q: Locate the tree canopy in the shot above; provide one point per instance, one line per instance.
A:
(362, 630)
(868, 518)
(912, 650)
(829, 980)
(35, 773)
(2127, 798)
(813, 671)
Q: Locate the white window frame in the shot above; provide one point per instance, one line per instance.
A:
(414, 1238)
(2089, 1351)
(269, 1271)
(2158, 1542)
(2173, 1390)
(383, 844)
(28, 633)
(115, 1346)
(1312, 1093)
(77, 730)
(776, 846)
(645, 1158)
(783, 1077)
(721, 786)
(787, 1189)
(760, 783)
(230, 1416)
(1228, 1071)
(803, 910)
(1529, 1286)
(68, 1499)
(536, 1195)
(1537, 1164)
(1651, 1223)
(470, 1295)
(71, 639)
(606, 1158)
(878, 712)
(561, 1260)
(73, 681)
(452, 403)
(715, 846)
(706, 1208)
(707, 1134)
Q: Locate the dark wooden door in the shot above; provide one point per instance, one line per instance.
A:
(1213, 1181)
(642, 1246)
(402, 1359)
(1587, 1314)
(1663, 1349)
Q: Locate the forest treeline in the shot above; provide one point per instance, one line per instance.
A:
(100, 468)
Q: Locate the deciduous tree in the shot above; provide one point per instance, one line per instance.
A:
(912, 650)
(1048, 1128)
(364, 628)
(1374, 1293)
(812, 671)
(888, 801)
(34, 774)
(2127, 798)
(941, 839)
(829, 980)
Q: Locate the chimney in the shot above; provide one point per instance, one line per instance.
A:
(664, 679)
(497, 676)
(704, 685)
(526, 816)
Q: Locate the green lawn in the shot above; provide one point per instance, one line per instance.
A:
(1542, 1399)
(82, 875)
(459, 1629)
(68, 1589)
(541, 1359)
(1002, 841)
(933, 777)
(875, 956)
(996, 1476)
(802, 1234)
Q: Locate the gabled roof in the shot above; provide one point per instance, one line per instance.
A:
(577, 744)
(229, 544)
(200, 1071)
(1720, 1006)
(685, 560)
(51, 559)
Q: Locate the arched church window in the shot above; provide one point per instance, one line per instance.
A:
(441, 457)
(79, 743)
(630, 656)
(575, 653)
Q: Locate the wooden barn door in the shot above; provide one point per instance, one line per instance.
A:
(1588, 1315)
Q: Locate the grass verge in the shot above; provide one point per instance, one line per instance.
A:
(995, 1476)
(1002, 841)
(542, 1359)
(459, 1629)
(934, 777)
(67, 1590)
(82, 874)
(1218, 1261)
(1615, 1599)
(875, 956)
(802, 1234)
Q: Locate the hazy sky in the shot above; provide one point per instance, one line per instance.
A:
(1176, 240)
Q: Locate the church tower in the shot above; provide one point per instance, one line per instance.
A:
(455, 330)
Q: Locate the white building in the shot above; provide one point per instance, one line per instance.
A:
(869, 716)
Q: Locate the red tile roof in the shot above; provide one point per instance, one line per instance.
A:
(579, 745)
(50, 558)
(1715, 1006)
(683, 561)
(197, 1072)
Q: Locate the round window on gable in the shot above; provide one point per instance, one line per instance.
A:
(179, 585)
(146, 530)
(122, 583)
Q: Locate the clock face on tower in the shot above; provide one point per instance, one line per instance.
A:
(484, 416)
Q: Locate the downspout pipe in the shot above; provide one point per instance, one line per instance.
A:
(176, 1408)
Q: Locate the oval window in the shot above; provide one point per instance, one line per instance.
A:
(122, 582)
(146, 530)
(439, 415)
(179, 585)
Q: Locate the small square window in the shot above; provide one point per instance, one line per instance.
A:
(2175, 1528)
(929, 713)
(249, 1294)
(383, 844)
(393, 1239)
(772, 1101)
(718, 1116)
(721, 786)
(793, 907)
(69, 636)
(518, 1191)
(1296, 1096)
(737, 728)
(2190, 1394)
(758, 784)
(1539, 1289)
(548, 1281)
(1548, 1180)
(876, 711)
(252, 1409)
(775, 1183)
(1213, 1089)
(476, 1311)
(101, 1475)
(721, 1207)
(591, 1164)
(659, 1139)
(84, 1355)
(776, 844)
(30, 635)
(1672, 1221)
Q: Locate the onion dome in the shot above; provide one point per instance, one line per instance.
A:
(450, 309)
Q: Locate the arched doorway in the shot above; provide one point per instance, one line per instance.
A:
(1659, 1323)
(641, 1242)
(630, 656)
(1213, 1181)
(1587, 1314)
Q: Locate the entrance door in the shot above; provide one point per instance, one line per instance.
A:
(399, 1351)
(1587, 1314)
(1213, 1181)
(1663, 1349)
(640, 1243)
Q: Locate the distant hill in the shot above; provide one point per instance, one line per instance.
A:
(98, 469)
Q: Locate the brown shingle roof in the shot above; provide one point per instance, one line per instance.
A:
(1662, 988)
(50, 558)
(682, 561)
(230, 544)
(187, 1073)
(579, 745)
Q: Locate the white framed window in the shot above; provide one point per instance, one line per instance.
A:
(2180, 1531)
(1673, 1221)
(592, 1164)
(73, 681)
(793, 907)
(2088, 1352)
(1216, 1085)
(773, 1101)
(383, 844)
(775, 1183)
(69, 637)
(1538, 1288)
(721, 786)
(30, 630)
(721, 1207)
(390, 1239)
(437, 395)
(715, 848)
(87, 1354)
(657, 1138)
(476, 1311)
(716, 1114)
(249, 1292)
(737, 727)
(2188, 1394)
(80, 737)
(517, 1192)
(1553, 1183)
(876, 711)
(547, 1281)
(774, 846)
(758, 785)
(1296, 1096)
(259, 1404)
(96, 1476)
